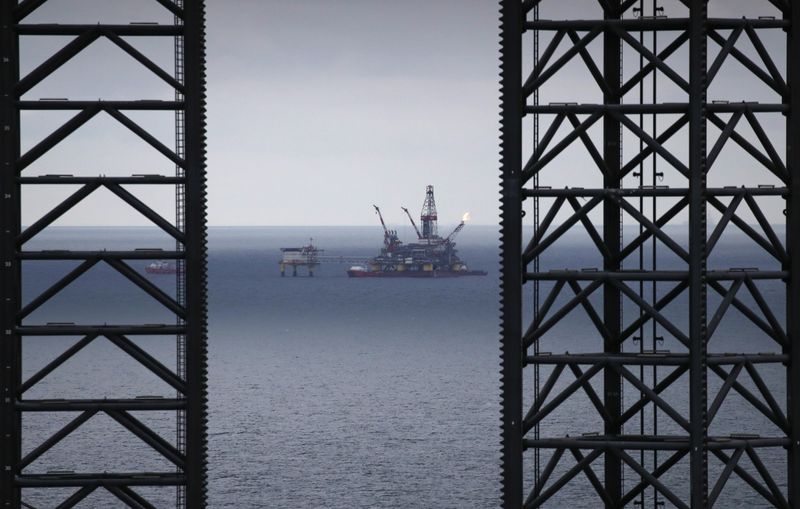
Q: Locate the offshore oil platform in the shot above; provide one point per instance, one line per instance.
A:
(303, 256)
(430, 256)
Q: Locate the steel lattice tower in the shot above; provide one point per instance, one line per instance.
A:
(657, 381)
(428, 216)
(18, 471)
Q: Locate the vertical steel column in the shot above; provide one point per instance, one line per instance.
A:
(196, 316)
(180, 265)
(10, 345)
(612, 381)
(793, 249)
(511, 24)
(697, 255)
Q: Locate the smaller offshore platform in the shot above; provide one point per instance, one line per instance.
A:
(304, 256)
(430, 256)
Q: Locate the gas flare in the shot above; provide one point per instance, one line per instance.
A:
(465, 217)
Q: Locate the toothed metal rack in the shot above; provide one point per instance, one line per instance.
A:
(18, 472)
(180, 224)
(674, 457)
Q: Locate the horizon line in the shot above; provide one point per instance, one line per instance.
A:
(391, 225)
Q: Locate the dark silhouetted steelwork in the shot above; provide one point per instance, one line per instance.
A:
(189, 378)
(616, 465)
(511, 100)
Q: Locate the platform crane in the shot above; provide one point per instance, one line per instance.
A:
(458, 228)
(383, 223)
(453, 234)
(419, 235)
(389, 236)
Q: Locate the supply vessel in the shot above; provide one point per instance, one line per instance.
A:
(429, 256)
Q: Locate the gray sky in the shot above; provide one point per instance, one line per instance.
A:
(317, 109)
(333, 106)
(320, 108)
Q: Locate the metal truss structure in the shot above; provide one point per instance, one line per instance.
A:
(657, 377)
(18, 466)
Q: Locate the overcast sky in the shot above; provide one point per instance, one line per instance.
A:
(331, 106)
(318, 108)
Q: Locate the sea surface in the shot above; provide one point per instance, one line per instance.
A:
(348, 393)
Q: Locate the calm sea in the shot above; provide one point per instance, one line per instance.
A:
(345, 393)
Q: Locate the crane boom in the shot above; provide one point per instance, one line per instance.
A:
(455, 232)
(378, 211)
(387, 236)
(419, 235)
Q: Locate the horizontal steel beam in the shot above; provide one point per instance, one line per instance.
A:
(139, 254)
(597, 275)
(78, 405)
(63, 329)
(651, 275)
(674, 108)
(65, 480)
(588, 108)
(101, 180)
(66, 104)
(650, 443)
(651, 359)
(661, 192)
(650, 24)
(132, 30)
(579, 192)
(631, 24)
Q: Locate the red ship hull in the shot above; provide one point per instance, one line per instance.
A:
(415, 273)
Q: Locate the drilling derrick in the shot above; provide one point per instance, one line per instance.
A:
(428, 217)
